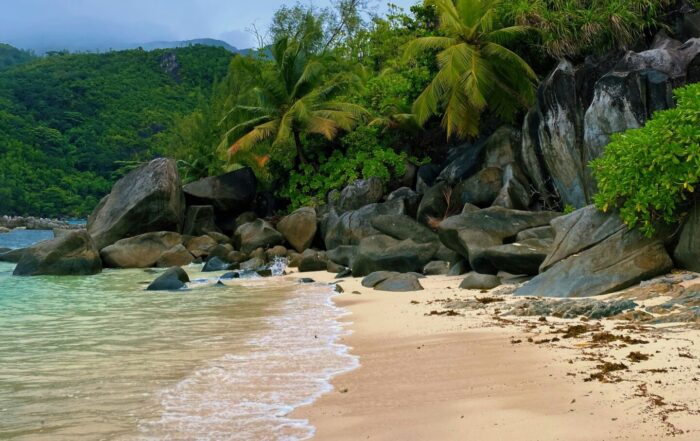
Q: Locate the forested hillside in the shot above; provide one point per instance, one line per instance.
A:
(68, 120)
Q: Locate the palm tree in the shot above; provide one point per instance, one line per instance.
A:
(475, 70)
(292, 99)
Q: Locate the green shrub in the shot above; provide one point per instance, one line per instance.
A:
(570, 28)
(363, 158)
(649, 172)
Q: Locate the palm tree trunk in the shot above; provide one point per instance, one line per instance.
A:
(301, 159)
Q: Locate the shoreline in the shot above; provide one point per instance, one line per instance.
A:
(475, 375)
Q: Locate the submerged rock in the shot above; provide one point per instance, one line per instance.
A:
(215, 264)
(142, 251)
(74, 254)
(172, 279)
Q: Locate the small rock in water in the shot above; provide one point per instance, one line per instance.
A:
(306, 280)
(230, 275)
(172, 279)
(215, 264)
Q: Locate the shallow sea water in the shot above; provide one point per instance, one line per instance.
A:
(91, 358)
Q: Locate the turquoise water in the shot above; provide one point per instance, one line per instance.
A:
(100, 358)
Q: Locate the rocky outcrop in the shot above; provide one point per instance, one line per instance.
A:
(384, 253)
(256, 234)
(199, 220)
(299, 228)
(360, 193)
(463, 162)
(520, 257)
(175, 256)
(687, 251)
(232, 192)
(172, 279)
(351, 227)
(481, 189)
(594, 253)
(8, 223)
(473, 233)
(74, 254)
(402, 227)
(145, 200)
(142, 251)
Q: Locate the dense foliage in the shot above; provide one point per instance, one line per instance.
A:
(476, 70)
(66, 121)
(10, 56)
(649, 173)
(571, 28)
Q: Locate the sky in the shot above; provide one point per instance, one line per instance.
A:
(102, 24)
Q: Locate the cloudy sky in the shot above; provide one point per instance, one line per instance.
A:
(101, 24)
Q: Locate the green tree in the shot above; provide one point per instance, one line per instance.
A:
(294, 98)
(476, 70)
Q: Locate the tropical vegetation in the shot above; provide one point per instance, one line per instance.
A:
(650, 174)
(330, 95)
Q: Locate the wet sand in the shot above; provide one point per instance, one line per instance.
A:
(476, 375)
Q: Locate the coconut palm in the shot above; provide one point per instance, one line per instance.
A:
(294, 98)
(475, 70)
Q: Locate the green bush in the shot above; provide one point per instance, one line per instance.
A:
(363, 158)
(649, 173)
(571, 28)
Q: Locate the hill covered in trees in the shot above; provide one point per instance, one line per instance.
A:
(69, 121)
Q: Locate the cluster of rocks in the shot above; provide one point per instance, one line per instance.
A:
(490, 209)
(8, 223)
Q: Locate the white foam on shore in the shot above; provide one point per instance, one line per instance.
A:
(248, 395)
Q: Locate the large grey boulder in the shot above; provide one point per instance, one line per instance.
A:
(73, 254)
(352, 226)
(199, 220)
(410, 198)
(436, 268)
(232, 192)
(560, 134)
(463, 162)
(400, 283)
(142, 251)
(471, 234)
(594, 253)
(623, 100)
(384, 253)
(299, 228)
(370, 280)
(175, 256)
(360, 193)
(481, 189)
(343, 255)
(515, 192)
(312, 260)
(256, 234)
(403, 227)
(12, 256)
(426, 177)
(687, 251)
(519, 257)
(435, 202)
(201, 246)
(502, 147)
(480, 281)
(172, 279)
(145, 200)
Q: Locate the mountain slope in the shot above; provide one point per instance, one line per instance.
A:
(67, 120)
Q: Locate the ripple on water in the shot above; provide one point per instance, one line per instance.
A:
(99, 358)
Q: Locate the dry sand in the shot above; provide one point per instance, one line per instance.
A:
(479, 376)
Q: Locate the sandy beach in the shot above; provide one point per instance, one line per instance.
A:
(430, 374)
